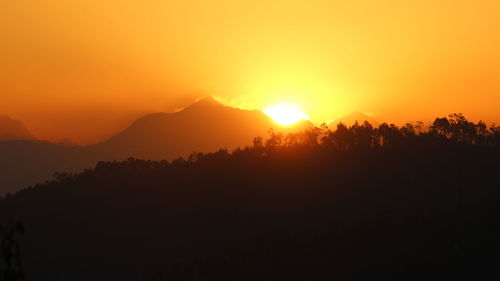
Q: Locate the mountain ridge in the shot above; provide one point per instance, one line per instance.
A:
(204, 126)
(12, 129)
(354, 116)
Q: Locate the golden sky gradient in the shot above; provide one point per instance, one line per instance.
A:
(84, 69)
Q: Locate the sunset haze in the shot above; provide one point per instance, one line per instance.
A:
(84, 70)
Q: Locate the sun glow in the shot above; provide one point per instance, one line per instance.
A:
(285, 114)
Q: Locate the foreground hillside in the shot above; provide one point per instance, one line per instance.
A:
(352, 204)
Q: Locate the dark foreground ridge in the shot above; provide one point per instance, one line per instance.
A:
(357, 203)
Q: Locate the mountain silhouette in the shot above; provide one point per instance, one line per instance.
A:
(204, 126)
(11, 129)
(351, 118)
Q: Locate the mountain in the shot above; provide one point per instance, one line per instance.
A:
(11, 129)
(25, 163)
(204, 126)
(351, 118)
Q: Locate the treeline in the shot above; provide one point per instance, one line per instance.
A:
(452, 130)
(456, 128)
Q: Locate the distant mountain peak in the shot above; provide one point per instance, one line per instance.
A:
(352, 117)
(208, 100)
(206, 125)
(11, 129)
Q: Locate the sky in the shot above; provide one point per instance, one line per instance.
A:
(83, 70)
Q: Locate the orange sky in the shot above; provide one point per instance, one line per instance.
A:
(84, 69)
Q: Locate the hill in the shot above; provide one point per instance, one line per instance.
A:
(382, 204)
(204, 126)
(25, 163)
(11, 129)
(354, 117)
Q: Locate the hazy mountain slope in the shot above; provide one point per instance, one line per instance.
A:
(204, 126)
(11, 129)
(25, 163)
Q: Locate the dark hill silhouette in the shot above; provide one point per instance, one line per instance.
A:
(11, 129)
(204, 126)
(351, 118)
(351, 203)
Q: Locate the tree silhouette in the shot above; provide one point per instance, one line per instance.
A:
(441, 127)
(11, 251)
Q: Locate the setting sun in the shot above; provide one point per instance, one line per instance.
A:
(285, 114)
